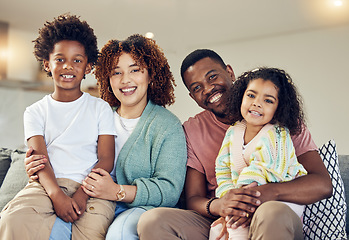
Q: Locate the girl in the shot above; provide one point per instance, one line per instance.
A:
(135, 79)
(258, 149)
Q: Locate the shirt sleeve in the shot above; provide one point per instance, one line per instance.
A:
(106, 120)
(163, 189)
(33, 122)
(303, 142)
(193, 160)
(225, 174)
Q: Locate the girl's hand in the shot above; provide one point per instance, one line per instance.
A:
(236, 221)
(99, 184)
(34, 163)
(223, 231)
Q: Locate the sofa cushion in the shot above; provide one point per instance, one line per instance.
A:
(326, 219)
(5, 161)
(15, 179)
(344, 167)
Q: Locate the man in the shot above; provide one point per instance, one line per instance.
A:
(208, 80)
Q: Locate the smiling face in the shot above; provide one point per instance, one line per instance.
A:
(259, 103)
(68, 64)
(130, 84)
(208, 83)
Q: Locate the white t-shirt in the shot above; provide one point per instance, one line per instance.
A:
(71, 131)
(124, 128)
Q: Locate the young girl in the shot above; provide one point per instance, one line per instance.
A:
(258, 149)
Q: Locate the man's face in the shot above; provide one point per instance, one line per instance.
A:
(209, 84)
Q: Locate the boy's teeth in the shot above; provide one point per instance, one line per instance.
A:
(215, 98)
(68, 76)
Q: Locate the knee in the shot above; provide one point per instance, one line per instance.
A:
(273, 210)
(151, 220)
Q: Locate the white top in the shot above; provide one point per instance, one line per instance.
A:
(124, 128)
(71, 131)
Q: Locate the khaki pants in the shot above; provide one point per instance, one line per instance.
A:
(272, 220)
(30, 215)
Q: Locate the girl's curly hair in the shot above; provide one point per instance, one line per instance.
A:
(65, 27)
(289, 112)
(147, 54)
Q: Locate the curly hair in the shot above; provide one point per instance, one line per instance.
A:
(147, 54)
(65, 27)
(289, 113)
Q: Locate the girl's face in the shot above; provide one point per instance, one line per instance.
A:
(259, 102)
(129, 82)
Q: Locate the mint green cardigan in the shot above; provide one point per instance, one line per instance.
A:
(154, 159)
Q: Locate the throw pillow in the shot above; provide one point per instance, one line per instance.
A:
(15, 180)
(5, 161)
(325, 219)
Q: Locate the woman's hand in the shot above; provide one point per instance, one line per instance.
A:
(99, 184)
(34, 163)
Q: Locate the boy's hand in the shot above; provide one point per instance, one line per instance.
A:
(65, 207)
(81, 199)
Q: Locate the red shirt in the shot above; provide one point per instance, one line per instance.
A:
(204, 134)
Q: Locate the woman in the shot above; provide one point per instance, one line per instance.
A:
(135, 79)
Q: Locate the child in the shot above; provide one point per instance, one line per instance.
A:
(266, 109)
(72, 129)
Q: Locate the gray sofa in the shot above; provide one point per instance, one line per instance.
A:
(13, 178)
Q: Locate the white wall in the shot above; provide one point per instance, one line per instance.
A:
(316, 59)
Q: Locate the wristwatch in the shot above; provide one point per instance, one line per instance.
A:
(121, 194)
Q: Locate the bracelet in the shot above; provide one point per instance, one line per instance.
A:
(208, 204)
(121, 194)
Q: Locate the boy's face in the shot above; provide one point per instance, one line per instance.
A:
(68, 64)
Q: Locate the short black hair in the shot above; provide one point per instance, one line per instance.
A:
(289, 112)
(196, 56)
(65, 27)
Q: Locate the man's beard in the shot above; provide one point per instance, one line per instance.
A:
(221, 115)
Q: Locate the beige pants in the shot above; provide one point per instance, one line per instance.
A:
(30, 215)
(272, 221)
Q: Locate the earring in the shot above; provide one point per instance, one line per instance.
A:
(110, 91)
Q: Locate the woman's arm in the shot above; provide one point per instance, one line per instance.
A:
(168, 156)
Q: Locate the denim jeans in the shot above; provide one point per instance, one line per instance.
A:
(124, 225)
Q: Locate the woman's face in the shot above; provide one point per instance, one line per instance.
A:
(129, 82)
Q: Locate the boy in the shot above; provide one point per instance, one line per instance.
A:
(74, 130)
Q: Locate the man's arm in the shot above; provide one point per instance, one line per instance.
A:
(303, 190)
(235, 202)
